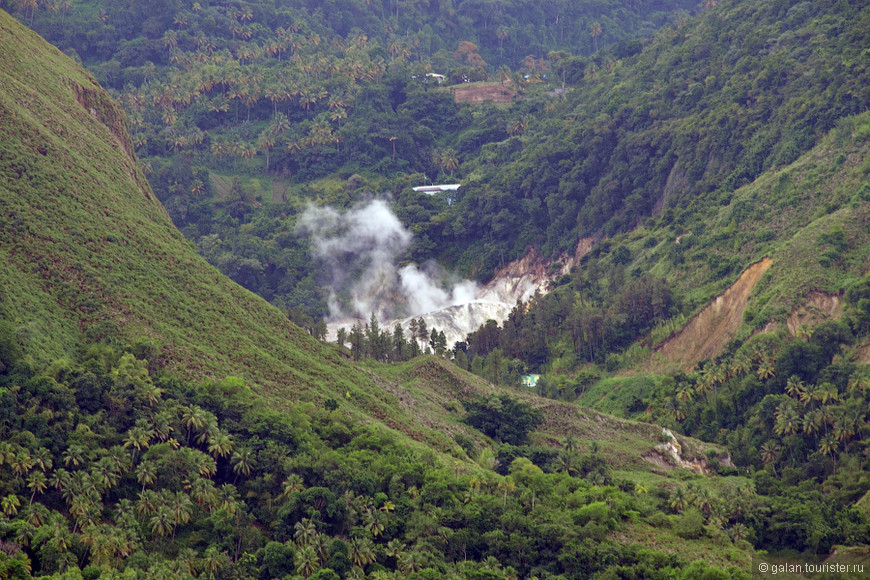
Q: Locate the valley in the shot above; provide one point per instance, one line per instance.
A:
(236, 342)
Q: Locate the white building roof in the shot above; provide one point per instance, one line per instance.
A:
(430, 189)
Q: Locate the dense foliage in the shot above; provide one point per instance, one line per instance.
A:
(707, 107)
(110, 463)
(106, 465)
(795, 407)
(298, 91)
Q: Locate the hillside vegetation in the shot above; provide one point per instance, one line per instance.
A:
(159, 421)
(742, 89)
(722, 170)
(284, 95)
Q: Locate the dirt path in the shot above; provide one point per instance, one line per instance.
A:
(711, 329)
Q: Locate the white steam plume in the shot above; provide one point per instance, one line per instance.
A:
(360, 250)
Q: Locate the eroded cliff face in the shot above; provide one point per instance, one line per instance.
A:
(516, 281)
(706, 335)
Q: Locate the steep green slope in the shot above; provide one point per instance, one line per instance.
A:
(91, 256)
(300, 90)
(743, 88)
(744, 323)
(84, 237)
(671, 293)
(113, 462)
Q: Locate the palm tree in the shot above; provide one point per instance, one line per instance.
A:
(502, 34)
(678, 500)
(10, 504)
(194, 417)
(59, 479)
(117, 458)
(828, 445)
(563, 463)
(266, 141)
(394, 548)
(769, 454)
(189, 560)
(810, 394)
(243, 462)
(162, 522)
(595, 31)
(794, 386)
(37, 482)
(109, 471)
(449, 160)
(21, 463)
(203, 492)
(787, 420)
(828, 393)
(37, 515)
(42, 459)
(139, 438)
(704, 501)
(228, 498)
(320, 543)
(291, 485)
(213, 560)
(220, 444)
(280, 124)
(304, 533)
(181, 509)
(507, 485)
(247, 151)
(146, 474)
(362, 552)
(740, 365)
(373, 523)
(738, 532)
(162, 424)
(685, 392)
(31, 6)
(766, 369)
(170, 40)
(812, 422)
(306, 561)
(410, 562)
(571, 444)
(858, 382)
(149, 502)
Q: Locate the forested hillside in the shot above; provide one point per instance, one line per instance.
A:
(159, 421)
(126, 450)
(742, 89)
(283, 95)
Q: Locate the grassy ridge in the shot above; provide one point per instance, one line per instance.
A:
(91, 255)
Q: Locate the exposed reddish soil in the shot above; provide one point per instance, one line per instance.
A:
(711, 329)
(818, 308)
(476, 94)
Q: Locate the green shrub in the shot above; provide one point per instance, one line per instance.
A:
(691, 525)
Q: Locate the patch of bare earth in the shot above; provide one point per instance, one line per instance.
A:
(476, 94)
(818, 308)
(707, 334)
